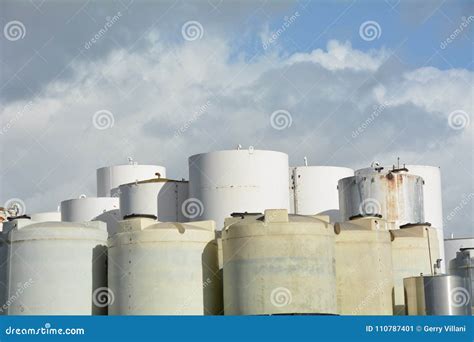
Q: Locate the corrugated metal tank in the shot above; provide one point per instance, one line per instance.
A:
(313, 190)
(159, 197)
(437, 295)
(393, 193)
(224, 182)
(364, 267)
(278, 264)
(164, 269)
(47, 216)
(463, 266)
(109, 178)
(453, 245)
(56, 268)
(82, 209)
(414, 252)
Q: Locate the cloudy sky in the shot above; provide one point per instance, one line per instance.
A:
(89, 83)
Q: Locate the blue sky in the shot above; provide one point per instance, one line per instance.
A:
(153, 79)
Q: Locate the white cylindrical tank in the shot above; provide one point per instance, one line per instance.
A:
(159, 197)
(56, 268)
(364, 267)
(432, 201)
(453, 245)
(314, 190)
(415, 251)
(164, 269)
(109, 178)
(105, 209)
(246, 180)
(278, 264)
(47, 216)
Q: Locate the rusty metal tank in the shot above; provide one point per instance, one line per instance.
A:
(394, 194)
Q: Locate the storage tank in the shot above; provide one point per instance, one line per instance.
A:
(164, 269)
(47, 216)
(159, 197)
(109, 178)
(415, 251)
(364, 267)
(432, 202)
(463, 266)
(314, 190)
(437, 295)
(453, 245)
(278, 264)
(224, 182)
(432, 198)
(392, 193)
(56, 268)
(82, 209)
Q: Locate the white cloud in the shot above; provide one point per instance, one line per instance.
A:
(341, 56)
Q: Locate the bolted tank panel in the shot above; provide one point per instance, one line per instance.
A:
(111, 177)
(278, 264)
(56, 268)
(224, 182)
(164, 269)
(313, 190)
(364, 267)
(414, 252)
(463, 266)
(48, 216)
(395, 195)
(105, 209)
(437, 295)
(158, 197)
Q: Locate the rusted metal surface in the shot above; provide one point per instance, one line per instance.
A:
(397, 196)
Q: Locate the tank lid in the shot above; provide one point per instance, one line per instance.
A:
(411, 225)
(20, 217)
(132, 216)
